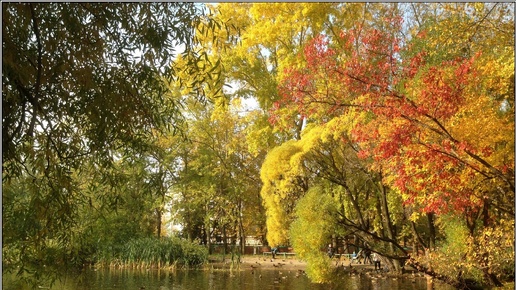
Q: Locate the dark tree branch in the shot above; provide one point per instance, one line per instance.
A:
(37, 87)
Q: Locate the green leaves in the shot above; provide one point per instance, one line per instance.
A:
(84, 88)
(84, 68)
(312, 230)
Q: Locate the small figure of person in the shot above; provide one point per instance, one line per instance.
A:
(367, 256)
(330, 251)
(360, 256)
(376, 261)
(353, 257)
(274, 251)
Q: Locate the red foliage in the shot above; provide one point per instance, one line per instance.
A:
(364, 73)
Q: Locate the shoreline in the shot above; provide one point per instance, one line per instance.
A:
(288, 263)
(343, 266)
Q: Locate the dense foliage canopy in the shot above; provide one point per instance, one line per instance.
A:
(386, 126)
(84, 88)
(406, 110)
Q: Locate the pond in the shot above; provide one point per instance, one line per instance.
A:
(261, 279)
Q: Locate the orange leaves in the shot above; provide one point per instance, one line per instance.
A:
(430, 113)
(419, 116)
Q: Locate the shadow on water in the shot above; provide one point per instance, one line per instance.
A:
(261, 279)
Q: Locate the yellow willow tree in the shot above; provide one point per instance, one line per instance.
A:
(284, 181)
(354, 207)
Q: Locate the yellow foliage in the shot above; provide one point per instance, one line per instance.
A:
(492, 247)
(311, 232)
(280, 191)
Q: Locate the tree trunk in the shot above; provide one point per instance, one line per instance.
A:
(488, 275)
(431, 228)
(417, 239)
(158, 222)
(224, 239)
(356, 206)
(388, 228)
(241, 227)
(208, 238)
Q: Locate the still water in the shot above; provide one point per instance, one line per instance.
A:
(216, 279)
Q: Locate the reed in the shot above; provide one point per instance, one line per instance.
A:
(169, 252)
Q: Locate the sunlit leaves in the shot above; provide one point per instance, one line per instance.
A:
(417, 104)
(466, 255)
(430, 109)
(312, 229)
(283, 183)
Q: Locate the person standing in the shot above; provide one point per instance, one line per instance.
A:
(367, 256)
(376, 261)
(274, 251)
(330, 251)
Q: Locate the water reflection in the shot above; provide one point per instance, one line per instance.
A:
(261, 279)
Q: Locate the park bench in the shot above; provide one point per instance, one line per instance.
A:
(285, 254)
(348, 256)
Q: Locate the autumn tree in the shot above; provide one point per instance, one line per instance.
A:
(265, 39)
(254, 62)
(216, 194)
(251, 60)
(416, 101)
(364, 213)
